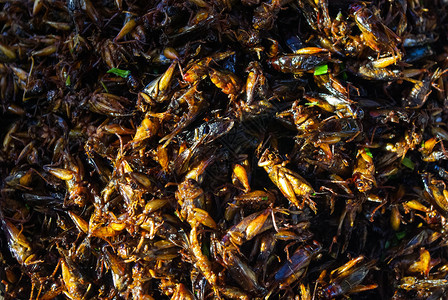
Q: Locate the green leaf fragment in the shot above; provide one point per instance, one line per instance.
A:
(264, 198)
(120, 72)
(321, 70)
(312, 103)
(392, 177)
(368, 152)
(387, 245)
(343, 73)
(408, 163)
(104, 86)
(339, 16)
(400, 235)
(67, 81)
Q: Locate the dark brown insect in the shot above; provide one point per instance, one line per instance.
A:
(223, 149)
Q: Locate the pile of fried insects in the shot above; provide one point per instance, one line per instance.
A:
(223, 149)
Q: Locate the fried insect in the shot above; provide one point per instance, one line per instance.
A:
(347, 279)
(364, 171)
(223, 149)
(291, 184)
(375, 34)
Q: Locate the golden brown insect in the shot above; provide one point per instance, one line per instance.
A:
(291, 184)
(249, 227)
(18, 244)
(255, 83)
(191, 199)
(375, 34)
(295, 267)
(157, 90)
(240, 269)
(228, 82)
(364, 171)
(240, 175)
(118, 268)
(196, 103)
(421, 90)
(348, 278)
(298, 63)
(369, 72)
(134, 139)
(76, 287)
(197, 71)
(108, 104)
(147, 129)
(437, 191)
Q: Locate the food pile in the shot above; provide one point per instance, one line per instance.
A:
(224, 149)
